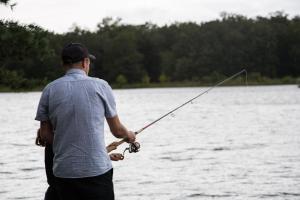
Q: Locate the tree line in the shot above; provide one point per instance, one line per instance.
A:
(267, 47)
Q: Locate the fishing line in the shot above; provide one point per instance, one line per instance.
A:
(135, 147)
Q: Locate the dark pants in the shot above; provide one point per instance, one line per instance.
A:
(51, 193)
(90, 188)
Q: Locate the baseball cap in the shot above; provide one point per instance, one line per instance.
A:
(75, 52)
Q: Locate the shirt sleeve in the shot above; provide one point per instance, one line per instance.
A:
(43, 107)
(109, 101)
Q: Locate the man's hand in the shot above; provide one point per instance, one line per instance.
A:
(38, 139)
(116, 156)
(130, 137)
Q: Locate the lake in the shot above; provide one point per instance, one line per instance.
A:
(231, 143)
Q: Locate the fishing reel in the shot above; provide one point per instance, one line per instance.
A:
(133, 148)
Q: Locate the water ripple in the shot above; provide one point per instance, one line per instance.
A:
(6, 172)
(19, 145)
(220, 148)
(173, 159)
(209, 195)
(31, 169)
(280, 194)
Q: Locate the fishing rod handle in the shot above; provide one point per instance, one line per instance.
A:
(124, 140)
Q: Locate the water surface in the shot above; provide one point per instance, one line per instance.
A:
(232, 143)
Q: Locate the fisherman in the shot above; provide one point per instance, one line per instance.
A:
(51, 193)
(71, 112)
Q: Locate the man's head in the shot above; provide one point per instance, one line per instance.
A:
(75, 55)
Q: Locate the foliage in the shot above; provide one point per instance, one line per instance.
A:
(268, 47)
(11, 78)
(121, 80)
(146, 79)
(4, 1)
(163, 78)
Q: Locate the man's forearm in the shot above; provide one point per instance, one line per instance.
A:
(120, 131)
(116, 127)
(46, 132)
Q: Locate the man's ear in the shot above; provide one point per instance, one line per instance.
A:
(83, 63)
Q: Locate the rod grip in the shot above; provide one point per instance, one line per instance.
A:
(118, 143)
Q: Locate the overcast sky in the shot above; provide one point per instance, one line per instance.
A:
(59, 15)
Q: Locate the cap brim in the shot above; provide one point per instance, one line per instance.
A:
(92, 57)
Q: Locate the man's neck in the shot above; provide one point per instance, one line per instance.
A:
(76, 67)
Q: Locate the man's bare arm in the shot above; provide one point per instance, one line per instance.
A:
(46, 132)
(119, 130)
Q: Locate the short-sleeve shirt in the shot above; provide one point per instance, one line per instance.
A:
(77, 106)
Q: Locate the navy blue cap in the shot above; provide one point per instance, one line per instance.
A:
(75, 52)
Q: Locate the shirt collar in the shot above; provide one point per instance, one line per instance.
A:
(75, 71)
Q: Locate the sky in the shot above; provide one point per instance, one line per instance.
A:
(60, 15)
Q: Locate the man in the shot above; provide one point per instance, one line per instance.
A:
(72, 111)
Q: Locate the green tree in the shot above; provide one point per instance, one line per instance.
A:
(4, 1)
(146, 79)
(121, 80)
(163, 78)
(268, 46)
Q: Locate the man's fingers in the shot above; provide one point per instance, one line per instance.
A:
(130, 138)
(116, 156)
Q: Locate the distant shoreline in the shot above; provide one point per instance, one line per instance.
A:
(168, 85)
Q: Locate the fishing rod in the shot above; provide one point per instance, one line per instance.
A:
(134, 147)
